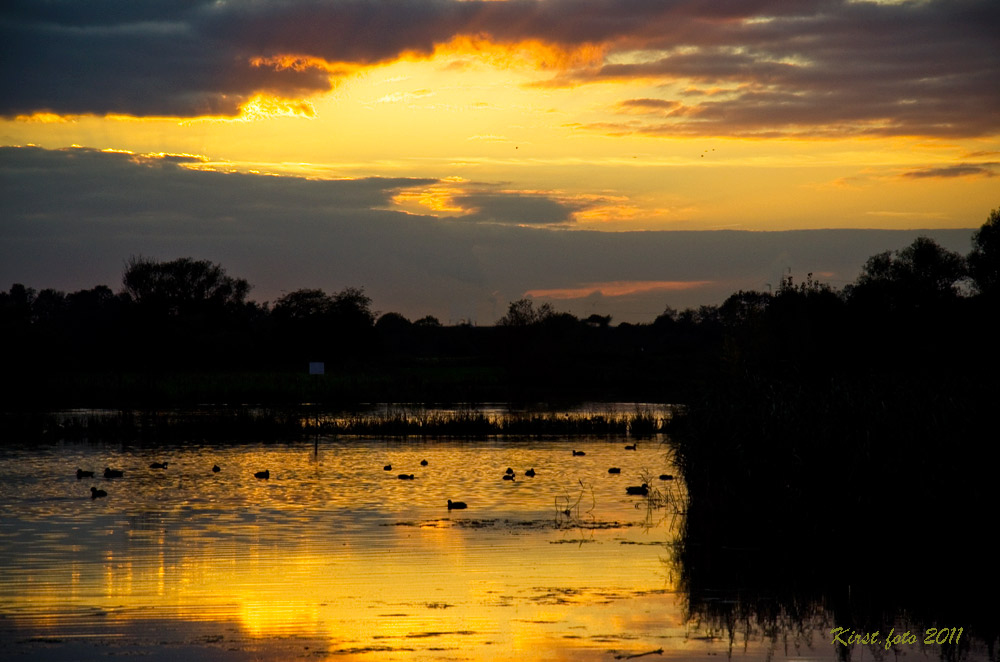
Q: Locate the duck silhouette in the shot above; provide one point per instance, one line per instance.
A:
(575, 453)
(387, 467)
(158, 465)
(456, 505)
(264, 475)
(80, 473)
(509, 471)
(96, 493)
(113, 473)
(423, 463)
(666, 476)
(631, 448)
(509, 477)
(614, 470)
(216, 469)
(405, 476)
(530, 472)
(637, 490)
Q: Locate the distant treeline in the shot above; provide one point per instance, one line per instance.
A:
(185, 330)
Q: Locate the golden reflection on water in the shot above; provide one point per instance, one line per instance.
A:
(333, 557)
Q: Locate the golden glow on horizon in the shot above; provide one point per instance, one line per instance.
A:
(484, 113)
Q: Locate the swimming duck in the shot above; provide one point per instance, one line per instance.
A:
(637, 490)
(96, 493)
(530, 472)
(509, 476)
(575, 453)
(666, 476)
(216, 469)
(158, 465)
(423, 463)
(509, 471)
(387, 467)
(405, 476)
(265, 474)
(631, 448)
(614, 470)
(113, 473)
(80, 473)
(456, 505)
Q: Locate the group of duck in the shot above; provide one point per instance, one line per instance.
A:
(508, 475)
(388, 467)
(109, 473)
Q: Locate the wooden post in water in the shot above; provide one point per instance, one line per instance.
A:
(316, 368)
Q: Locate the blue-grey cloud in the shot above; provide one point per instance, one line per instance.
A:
(515, 208)
(70, 218)
(791, 66)
(958, 170)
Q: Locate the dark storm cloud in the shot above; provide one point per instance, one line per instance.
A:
(70, 218)
(910, 68)
(136, 58)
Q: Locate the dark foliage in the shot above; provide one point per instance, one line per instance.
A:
(184, 331)
(845, 454)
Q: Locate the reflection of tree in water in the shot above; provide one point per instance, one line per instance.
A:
(788, 595)
(810, 510)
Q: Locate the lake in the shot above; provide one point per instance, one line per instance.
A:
(335, 557)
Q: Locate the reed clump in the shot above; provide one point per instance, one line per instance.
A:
(255, 423)
(478, 423)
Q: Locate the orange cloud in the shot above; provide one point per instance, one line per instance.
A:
(618, 288)
(521, 53)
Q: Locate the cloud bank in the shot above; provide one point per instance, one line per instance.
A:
(764, 67)
(70, 218)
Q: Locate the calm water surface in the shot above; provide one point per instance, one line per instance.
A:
(335, 558)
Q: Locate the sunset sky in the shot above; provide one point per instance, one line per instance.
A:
(610, 156)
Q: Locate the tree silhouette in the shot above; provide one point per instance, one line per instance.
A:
(303, 306)
(322, 326)
(428, 321)
(984, 260)
(921, 275)
(181, 286)
(523, 313)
